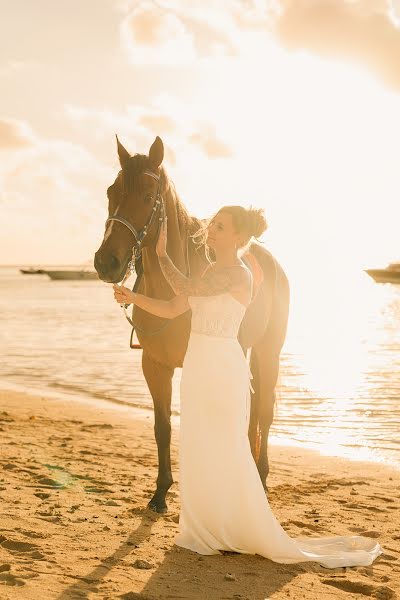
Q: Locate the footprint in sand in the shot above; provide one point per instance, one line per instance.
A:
(48, 482)
(33, 534)
(305, 525)
(98, 490)
(5, 567)
(383, 498)
(4, 416)
(364, 507)
(52, 519)
(14, 546)
(381, 592)
(387, 559)
(10, 579)
(99, 425)
(371, 533)
(36, 555)
(9, 467)
(42, 495)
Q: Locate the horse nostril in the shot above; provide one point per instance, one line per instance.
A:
(106, 264)
(113, 263)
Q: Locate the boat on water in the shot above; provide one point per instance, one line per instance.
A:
(32, 271)
(82, 274)
(390, 274)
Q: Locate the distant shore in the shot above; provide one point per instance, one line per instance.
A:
(75, 481)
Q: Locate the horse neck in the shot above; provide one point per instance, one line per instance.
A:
(179, 225)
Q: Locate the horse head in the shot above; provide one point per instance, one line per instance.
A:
(134, 209)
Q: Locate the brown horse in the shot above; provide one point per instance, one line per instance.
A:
(133, 198)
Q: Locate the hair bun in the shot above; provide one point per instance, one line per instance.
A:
(257, 223)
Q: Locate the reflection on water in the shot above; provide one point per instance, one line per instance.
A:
(340, 385)
(340, 369)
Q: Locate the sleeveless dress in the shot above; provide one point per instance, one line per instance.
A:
(223, 502)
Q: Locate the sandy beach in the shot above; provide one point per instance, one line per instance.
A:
(76, 477)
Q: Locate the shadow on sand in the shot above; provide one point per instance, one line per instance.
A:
(186, 574)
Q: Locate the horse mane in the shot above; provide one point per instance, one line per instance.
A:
(181, 225)
(138, 163)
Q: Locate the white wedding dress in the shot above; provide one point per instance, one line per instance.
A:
(223, 502)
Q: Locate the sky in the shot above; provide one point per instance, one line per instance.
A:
(292, 105)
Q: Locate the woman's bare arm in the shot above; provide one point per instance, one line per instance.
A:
(169, 309)
(213, 283)
(234, 278)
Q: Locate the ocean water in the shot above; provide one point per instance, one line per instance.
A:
(339, 389)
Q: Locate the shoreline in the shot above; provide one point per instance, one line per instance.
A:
(142, 411)
(74, 487)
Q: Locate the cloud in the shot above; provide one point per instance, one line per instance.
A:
(52, 196)
(137, 127)
(156, 38)
(158, 122)
(365, 31)
(14, 134)
(178, 33)
(210, 144)
(194, 32)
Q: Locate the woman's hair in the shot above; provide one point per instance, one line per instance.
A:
(250, 222)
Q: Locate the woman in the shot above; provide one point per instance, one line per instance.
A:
(223, 503)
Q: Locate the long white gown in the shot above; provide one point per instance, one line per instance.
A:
(223, 502)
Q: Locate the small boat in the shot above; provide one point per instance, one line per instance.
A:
(71, 275)
(391, 273)
(32, 271)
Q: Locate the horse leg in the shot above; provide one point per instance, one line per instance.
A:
(267, 381)
(159, 380)
(253, 432)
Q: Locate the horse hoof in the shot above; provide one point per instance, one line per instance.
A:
(158, 508)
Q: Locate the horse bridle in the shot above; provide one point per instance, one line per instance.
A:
(141, 234)
(137, 249)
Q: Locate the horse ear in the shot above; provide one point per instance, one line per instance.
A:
(123, 154)
(156, 153)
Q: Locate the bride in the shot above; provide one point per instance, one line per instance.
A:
(223, 503)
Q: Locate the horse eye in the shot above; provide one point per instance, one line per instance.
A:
(148, 197)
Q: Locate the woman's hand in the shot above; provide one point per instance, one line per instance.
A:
(123, 295)
(161, 246)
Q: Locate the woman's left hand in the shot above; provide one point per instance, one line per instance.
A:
(161, 245)
(123, 295)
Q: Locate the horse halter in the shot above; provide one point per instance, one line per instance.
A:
(137, 251)
(141, 234)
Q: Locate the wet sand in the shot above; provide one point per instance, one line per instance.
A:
(75, 480)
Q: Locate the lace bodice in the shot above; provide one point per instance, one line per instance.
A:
(218, 315)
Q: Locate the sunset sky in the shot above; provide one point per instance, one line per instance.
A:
(292, 105)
